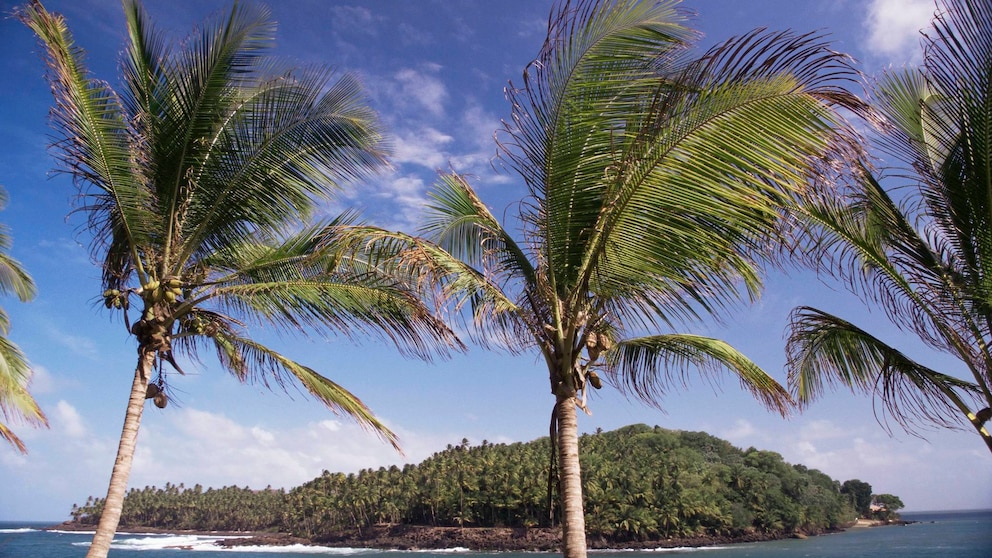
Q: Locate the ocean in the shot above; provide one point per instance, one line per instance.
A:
(965, 534)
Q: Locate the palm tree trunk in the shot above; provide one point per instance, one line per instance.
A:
(573, 524)
(114, 504)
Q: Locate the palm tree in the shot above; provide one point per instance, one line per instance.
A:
(16, 403)
(197, 179)
(923, 253)
(654, 181)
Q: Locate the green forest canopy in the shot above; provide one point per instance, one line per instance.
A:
(640, 483)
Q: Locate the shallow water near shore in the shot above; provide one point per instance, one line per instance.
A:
(966, 534)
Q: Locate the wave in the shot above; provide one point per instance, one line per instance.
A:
(18, 530)
(137, 542)
(207, 543)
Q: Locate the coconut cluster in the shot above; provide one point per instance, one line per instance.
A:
(162, 291)
(152, 330)
(113, 298)
(596, 343)
(198, 325)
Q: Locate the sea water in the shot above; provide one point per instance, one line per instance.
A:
(966, 534)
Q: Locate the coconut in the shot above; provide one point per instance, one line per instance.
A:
(604, 341)
(161, 400)
(594, 380)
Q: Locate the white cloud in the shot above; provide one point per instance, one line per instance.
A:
(894, 28)
(423, 147)
(411, 35)
(531, 28)
(742, 430)
(461, 31)
(423, 88)
(407, 194)
(822, 430)
(332, 425)
(355, 19)
(77, 344)
(193, 446)
(11, 458)
(262, 436)
(62, 251)
(41, 380)
(482, 124)
(405, 189)
(67, 419)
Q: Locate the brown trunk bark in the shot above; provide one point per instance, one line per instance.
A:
(114, 503)
(573, 524)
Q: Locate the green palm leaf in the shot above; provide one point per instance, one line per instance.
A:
(452, 281)
(922, 253)
(97, 151)
(656, 180)
(309, 284)
(16, 402)
(650, 367)
(824, 349)
(14, 279)
(191, 178)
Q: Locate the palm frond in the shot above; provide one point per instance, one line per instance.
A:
(460, 223)
(95, 146)
(449, 281)
(655, 178)
(296, 139)
(251, 361)
(649, 367)
(569, 120)
(306, 284)
(16, 403)
(866, 239)
(13, 277)
(233, 141)
(958, 62)
(824, 350)
(742, 132)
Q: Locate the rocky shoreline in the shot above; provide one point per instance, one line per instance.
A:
(419, 537)
(493, 539)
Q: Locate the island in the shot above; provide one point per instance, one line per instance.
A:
(645, 487)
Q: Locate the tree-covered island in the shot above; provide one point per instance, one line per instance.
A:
(643, 486)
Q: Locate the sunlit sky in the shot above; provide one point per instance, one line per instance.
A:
(435, 71)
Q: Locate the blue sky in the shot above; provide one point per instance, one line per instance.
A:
(435, 71)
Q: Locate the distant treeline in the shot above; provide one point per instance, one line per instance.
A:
(640, 483)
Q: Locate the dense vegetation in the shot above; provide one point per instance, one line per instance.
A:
(640, 483)
(181, 508)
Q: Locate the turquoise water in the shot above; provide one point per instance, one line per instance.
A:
(938, 534)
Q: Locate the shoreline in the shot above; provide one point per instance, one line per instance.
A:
(423, 538)
(862, 523)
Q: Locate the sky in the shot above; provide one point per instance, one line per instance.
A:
(435, 72)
